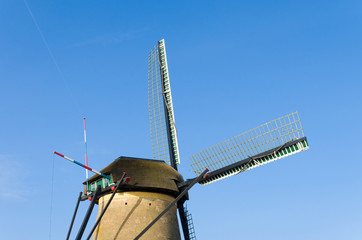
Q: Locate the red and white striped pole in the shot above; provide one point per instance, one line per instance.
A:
(78, 163)
(85, 144)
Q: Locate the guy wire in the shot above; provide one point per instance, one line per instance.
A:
(51, 200)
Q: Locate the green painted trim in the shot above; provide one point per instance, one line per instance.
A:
(103, 182)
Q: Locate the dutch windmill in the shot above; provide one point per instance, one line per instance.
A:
(145, 205)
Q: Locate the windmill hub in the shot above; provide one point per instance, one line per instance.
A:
(153, 186)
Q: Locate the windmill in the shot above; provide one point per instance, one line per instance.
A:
(144, 206)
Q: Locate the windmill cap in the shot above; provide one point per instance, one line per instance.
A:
(145, 175)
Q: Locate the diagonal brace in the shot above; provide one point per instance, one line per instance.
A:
(198, 179)
(75, 213)
(122, 180)
(89, 212)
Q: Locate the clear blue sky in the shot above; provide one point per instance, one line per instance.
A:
(233, 66)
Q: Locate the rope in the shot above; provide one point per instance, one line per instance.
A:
(51, 200)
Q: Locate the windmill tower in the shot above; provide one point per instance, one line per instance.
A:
(146, 205)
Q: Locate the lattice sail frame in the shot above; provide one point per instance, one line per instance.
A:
(160, 107)
(190, 225)
(271, 141)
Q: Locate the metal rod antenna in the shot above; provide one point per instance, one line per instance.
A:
(83, 166)
(89, 212)
(198, 179)
(108, 203)
(75, 213)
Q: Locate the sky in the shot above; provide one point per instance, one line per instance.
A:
(233, 65)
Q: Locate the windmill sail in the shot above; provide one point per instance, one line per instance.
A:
(162, 120)
(271, 141)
